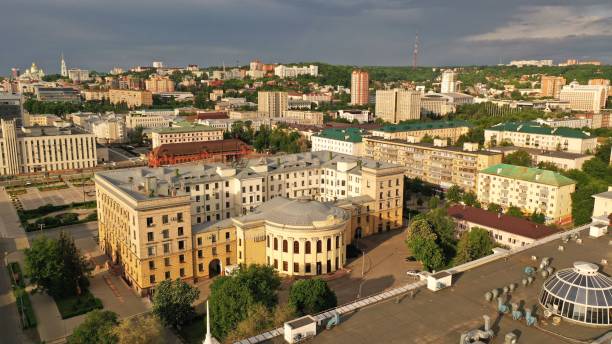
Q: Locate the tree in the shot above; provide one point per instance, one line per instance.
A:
(56, 266)
(514, 211)
(283, 313)
(519, 158)
(172, 302)
(257, 321)
(538, 217)
(135, 136)
(453, 194)
(474, 244)
(98, 328)
(139, 330)
(494, 207)
(433, 202)
(311, 296)
(470, 199)
(231, 297)
(422, 243)
(427, 139)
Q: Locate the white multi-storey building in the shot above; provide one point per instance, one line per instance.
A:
(590, 98)
(448, 83)
(345, 141)
(291, 72)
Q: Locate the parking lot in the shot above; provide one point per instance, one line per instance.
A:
(35, 198)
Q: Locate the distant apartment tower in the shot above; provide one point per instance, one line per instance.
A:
(550, 86)
(272, 104)
(159, 84)
(360, 81)
(590, 98)
(131, 98)
(398, 105)
(448, 81)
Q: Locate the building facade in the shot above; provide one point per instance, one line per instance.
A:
(159, 84)
(435, 163)
(132, 98)
(360, 87)
(449, 82)
(550, 86)
(294, 71)
(590, 98)
(530, 189)
(272, 104)
(191, 133)
(398, 105)
(532, 135)
(192, 220)
(147, 121)
(39, 149)
(414, 132)
(345, 141)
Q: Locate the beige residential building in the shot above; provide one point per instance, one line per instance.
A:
(550, 86)
(38, 149)
(435, 163)
(132, 98)
(360, 87)
(531, 135)
(414, 132)
(590, 98)
(135, 120)
(562, 160)
(272, 104)
(304, 117)
(398, 105)
(109, 130)
(95, 95)
(187, 133)
(194, 220)
(530, 189)
(603, 204)
(159, 84)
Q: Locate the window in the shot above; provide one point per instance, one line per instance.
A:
(296, 247)
(285, 266)
(275, 244)
(151, 265)
(227, 248)
(200, 254)
(307, 268)
(180, 231)
(268, 241)
(167, 248)
(296, 267)
(200, 267)
(275, 264)
(150, 222)
(152, 279)
(164, 219)
(181, 244)
(167, 261)
(228, 261)
(307, 247)
(182, 272)
(214, 251)
(285, 246)
(165, 234)
(181, 258)
(179, 217)
(149, 236)
(151, 250)
(227, 235)
(319, 246)
(329, 244)
(199, 241)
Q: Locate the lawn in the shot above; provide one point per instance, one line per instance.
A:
(76, 305)
(194, 332)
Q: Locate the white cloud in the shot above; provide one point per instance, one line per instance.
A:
(552, 22)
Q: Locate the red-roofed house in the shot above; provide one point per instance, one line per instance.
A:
(505, 230)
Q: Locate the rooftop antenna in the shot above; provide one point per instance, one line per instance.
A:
(415, 52)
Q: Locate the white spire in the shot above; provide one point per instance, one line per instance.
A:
(63, 68)
(209, 338)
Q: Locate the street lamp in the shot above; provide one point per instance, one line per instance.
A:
(41, 226)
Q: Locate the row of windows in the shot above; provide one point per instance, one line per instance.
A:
(307, 245)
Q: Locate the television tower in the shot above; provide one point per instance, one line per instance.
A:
(415, 52)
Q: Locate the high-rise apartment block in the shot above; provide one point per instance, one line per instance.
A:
(449, 82)
(360, 93)
(398, 105)
(435, 163)
(39, 149)
(131, 98)
(532, 135)
(159, 84)
(550, 86)
(530, 189)
(272, 104)
(190, 221)
(591, 98)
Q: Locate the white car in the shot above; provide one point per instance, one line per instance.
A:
(413, 273)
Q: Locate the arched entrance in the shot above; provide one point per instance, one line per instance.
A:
(214, 268)
(358, 233)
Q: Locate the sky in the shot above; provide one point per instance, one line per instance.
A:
(101, 34)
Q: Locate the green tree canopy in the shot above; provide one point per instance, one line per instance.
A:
(494, 207)
(474, 244)
(422, 243)
(98, 328)
(514, 211)
(311, 296)
(172, 302)
(454, 194)
(470, 199)
(519, 158)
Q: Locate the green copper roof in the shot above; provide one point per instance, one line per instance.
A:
(534, 128)
(414, 126)
(529, 174)
(349, 134)
(184, 129)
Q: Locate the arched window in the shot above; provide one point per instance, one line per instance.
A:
(319, 246)
(329, 244)
(275, 244)
(268, 241)
(296, 247)
(285, 246)
(338, 241)
(307, 248)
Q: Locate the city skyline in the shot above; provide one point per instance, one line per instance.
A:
(365, 32)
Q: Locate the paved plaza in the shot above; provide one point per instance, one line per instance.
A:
(35, 198)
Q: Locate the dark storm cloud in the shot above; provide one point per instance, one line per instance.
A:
(101, 34)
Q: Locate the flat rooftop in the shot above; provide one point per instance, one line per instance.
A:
(442, 316)
(540, 152)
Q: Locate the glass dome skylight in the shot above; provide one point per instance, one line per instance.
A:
(581, 294)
